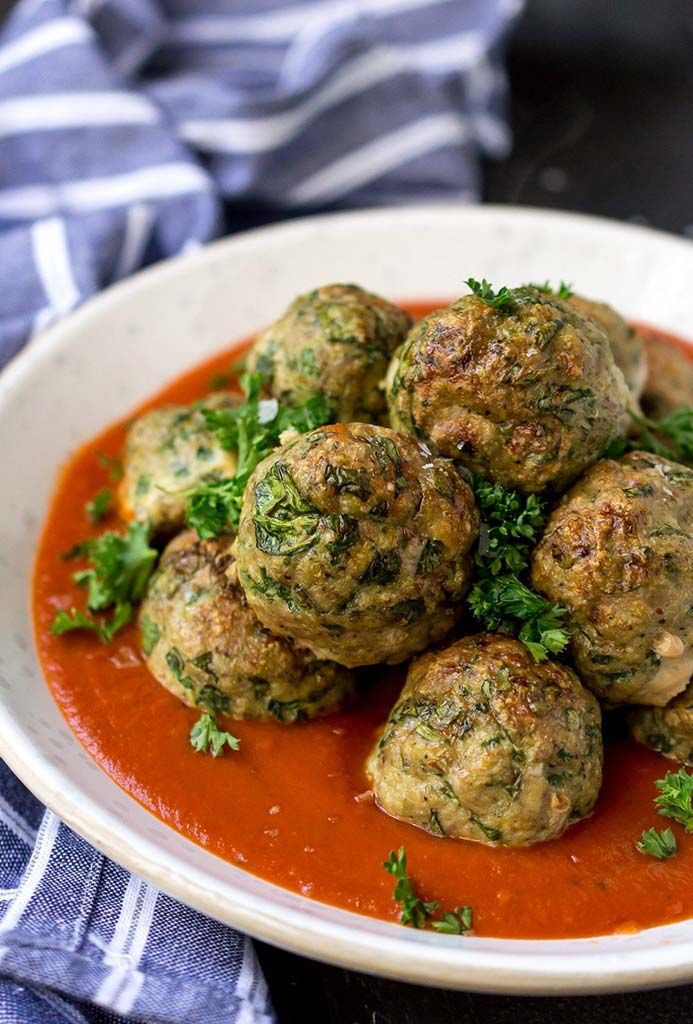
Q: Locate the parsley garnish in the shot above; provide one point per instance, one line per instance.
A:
(500, 600)
(252, 429)
(658, 844)
(121, 565)
(671, 437)
(415, 911)
(675, 795)
(99, 506)
(501, 299)
(511, 524)
(207, 738)
(455, 922)
(564, 290)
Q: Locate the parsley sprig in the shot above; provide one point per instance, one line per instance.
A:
(415, 911)
(500, 600)
(564, 290)
(116, 578)
(670, 437)
(675, 798)
(253, 429)
(501, 299)
(658, 844)
(207, 738)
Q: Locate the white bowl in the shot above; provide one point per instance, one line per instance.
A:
(93, 367)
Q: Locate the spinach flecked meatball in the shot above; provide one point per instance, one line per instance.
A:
(617, 552)
(335, 341)
(204, 644)
(627, 344)
(486, 744)
(526, 393)
(168, 451)
(355, 541)
(668, 730)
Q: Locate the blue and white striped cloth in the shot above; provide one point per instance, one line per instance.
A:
(131, 130)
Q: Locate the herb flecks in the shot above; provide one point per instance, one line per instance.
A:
(501, 299)
(99, 507)
(416, 912)
(207, 738)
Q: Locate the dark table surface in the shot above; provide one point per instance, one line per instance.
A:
(602, 110)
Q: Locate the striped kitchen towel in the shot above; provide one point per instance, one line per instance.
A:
(131, 130)
(126, 124)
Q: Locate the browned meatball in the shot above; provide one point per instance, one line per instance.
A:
(486, 744)
(668, 730)
(204, 644)
(335, 341)
(627, 344)
(527, 394)
(617, 552)
(669, 382)
(355, 541)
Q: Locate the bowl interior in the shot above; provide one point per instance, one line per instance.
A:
(110, 355)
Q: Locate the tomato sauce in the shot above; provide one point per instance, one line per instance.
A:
(292, 805)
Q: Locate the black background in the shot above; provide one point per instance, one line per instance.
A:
(602, 111)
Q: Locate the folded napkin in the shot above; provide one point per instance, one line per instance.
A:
(130, 130)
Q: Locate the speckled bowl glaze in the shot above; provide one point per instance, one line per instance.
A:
(97, 364)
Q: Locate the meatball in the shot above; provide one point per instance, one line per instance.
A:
(167, 452)
(617, 552)
(355, 541)
(669, 382)
(668, 730)
(486, 744)
(203, 643)
(527, 394)
(337, 342)
(627, 345)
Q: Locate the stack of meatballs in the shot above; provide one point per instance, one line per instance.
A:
(356, 541)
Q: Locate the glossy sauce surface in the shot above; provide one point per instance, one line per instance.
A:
(292, 805)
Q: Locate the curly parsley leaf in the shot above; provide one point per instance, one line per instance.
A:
(253, 430)
(564, 290)
(501, 299)
(415, 911)
(511, 524)
(675, 797)
(207, 738)
(507, 605)
(658, 844)
(99, 506)
(455, 922)
(120, 567)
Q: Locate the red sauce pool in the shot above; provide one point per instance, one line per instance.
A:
(285, 807)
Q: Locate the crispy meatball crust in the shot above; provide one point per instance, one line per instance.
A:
(355, 541)
(627, 345)
(486, 744)
(669, 382)
(528, 396)
(204, 644)
(617, 552)
(668, 730)
(167, 452)
(335, 341)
